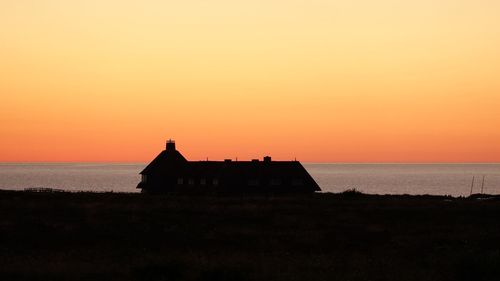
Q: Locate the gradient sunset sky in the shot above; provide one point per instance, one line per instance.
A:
(322, 81)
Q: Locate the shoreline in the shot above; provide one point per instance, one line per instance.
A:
(347, 193)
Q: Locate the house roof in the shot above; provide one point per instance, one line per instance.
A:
(171, 163)
(169, 158)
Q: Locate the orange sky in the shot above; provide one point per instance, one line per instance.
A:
(323, 81)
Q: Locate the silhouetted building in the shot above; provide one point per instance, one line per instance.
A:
(170, 171)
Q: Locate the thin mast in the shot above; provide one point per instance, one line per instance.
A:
(472, 185)
(482, 185)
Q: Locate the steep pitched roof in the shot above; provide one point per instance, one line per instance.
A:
(247, 170)
(165, 160)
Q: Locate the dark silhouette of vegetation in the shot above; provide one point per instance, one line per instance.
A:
(112, 236)
(352, 192)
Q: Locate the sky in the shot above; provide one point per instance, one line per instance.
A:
(315, 80)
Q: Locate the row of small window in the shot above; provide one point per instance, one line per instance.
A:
(181, 181)
(215, 182)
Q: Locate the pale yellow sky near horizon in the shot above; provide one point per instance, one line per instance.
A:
(323, 81)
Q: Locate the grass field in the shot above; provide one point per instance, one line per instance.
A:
(350, 236)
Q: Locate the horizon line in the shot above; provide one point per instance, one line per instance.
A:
(306, 162)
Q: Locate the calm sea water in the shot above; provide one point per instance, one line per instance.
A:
(437, 179)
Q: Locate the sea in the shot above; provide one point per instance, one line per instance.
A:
(414, 179)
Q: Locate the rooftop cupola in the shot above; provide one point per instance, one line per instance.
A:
(170, 145)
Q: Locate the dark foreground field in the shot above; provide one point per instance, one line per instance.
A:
(84, 236)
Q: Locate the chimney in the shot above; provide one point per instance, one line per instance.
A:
(170, 145)
(267, 159)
